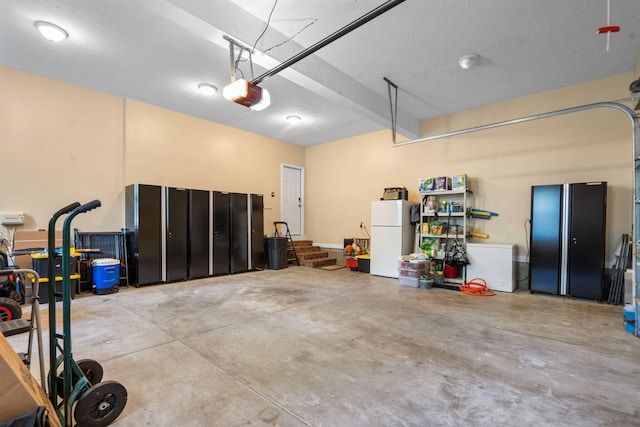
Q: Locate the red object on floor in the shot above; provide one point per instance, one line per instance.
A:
(351, 263)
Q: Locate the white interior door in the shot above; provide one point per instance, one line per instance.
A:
(292, 198)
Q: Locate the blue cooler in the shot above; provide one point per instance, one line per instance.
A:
(629, 318)
(105, 274)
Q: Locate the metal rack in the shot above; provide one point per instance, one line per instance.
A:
(458, 219)
(95, 245)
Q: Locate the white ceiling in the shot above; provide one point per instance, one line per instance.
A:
(158, 51)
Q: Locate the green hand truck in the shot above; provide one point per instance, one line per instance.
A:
(75, 386)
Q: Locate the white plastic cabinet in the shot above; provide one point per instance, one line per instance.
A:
(494, 263)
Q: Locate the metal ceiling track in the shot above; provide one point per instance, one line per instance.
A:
(329, 39)
(623, 108)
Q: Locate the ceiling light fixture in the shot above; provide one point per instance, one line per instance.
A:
(207, 89)
(468, 61)
(294, 120)
(51, 31)
(248, 94)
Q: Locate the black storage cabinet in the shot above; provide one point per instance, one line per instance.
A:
(177, 231)
(587, 234)
(546, 239)
(277, 252)
(568, 235)
(221, 233)
(199, 233)
(178, 234)
(143, 219)
(256, 209)
(239, 232)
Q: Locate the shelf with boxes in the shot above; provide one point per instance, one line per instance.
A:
(445, 224)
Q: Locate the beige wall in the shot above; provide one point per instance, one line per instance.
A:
(343, 177)
(172, 149)
(59, 144)
(62, 143)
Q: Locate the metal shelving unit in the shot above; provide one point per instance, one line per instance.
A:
(458, 219)
(95, 245)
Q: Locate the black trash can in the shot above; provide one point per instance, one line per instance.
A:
(277, 252)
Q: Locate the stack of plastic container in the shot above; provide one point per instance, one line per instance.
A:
(411, 271)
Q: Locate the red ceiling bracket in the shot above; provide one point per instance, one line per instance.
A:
(609, 29)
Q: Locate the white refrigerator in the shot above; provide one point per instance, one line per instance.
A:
(391, 236)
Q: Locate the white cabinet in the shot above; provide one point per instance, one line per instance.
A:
(494, 263)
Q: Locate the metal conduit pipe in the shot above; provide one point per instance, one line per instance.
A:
(621, 107)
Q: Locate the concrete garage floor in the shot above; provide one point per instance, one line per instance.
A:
(306, 347)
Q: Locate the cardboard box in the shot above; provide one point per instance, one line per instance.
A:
(459, 182)
(20, 392)
(32, 239)
(441, 183)
(425, 184)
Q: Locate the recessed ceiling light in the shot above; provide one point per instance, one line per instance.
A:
(294, 119)
(468, 61)
(51, 31)
(207, 88)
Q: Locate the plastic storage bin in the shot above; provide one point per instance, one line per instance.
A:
(43, 289)
(411, 273)
(105, 275)
(426, 283)
(364, 263)
(412, 282)
(40, 262)
(418, 264)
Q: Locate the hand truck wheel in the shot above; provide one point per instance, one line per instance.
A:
(100, 405)
(17, 296)
(9, 309)
(91, 369)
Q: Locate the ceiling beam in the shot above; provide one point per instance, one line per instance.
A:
(216, 18)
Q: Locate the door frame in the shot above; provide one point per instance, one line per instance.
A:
(302, 200)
